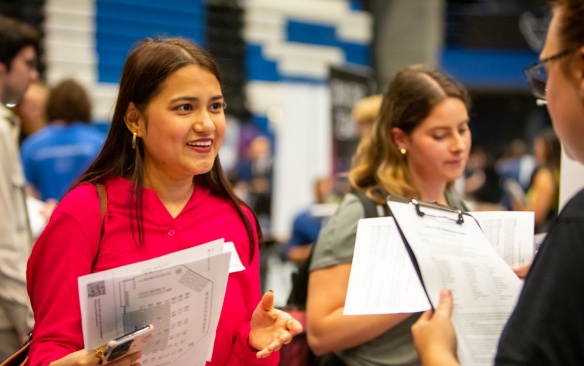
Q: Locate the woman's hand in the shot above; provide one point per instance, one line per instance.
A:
(434, 334)
(83, 358)
(47, 210)
(521, 271)
(271, 328)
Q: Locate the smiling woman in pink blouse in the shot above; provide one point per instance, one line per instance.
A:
(166, 192)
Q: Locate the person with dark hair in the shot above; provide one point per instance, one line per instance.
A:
(54, 157)
(18, 44)
(547, 325)
(166, 191)
(482, 183)
(418, 147)
(543, 192)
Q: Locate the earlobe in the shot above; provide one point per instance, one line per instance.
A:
(132, 118)
(398, 136)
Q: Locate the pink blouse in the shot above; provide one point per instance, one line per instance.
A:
(67, 247)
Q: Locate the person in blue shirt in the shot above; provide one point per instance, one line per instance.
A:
(54, 157)
(308, 222)
(305, 231)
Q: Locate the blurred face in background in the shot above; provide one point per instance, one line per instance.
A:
(539, 151)
(565, 90)
(438, 148)
(32, 108)
(365, 113)
(18, 76)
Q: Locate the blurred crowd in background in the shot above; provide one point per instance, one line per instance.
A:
(59, 141)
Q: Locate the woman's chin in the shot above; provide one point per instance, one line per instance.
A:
(201, 169)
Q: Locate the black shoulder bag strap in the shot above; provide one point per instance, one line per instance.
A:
(102, 194)
(372, 209)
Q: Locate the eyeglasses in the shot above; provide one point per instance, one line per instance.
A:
(537, 75)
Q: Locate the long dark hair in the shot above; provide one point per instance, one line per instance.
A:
(146, 69)
(553, 149)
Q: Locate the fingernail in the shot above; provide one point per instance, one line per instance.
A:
(271, 291)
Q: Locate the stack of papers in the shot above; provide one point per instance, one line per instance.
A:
(181, 294)
(401, 264)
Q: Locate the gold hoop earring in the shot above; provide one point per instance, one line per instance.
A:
(403, 151)
(134, 140)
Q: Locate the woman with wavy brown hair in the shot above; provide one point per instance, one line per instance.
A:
(385, 164)
(419, 146)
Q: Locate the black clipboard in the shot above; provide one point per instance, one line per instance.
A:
(450, 213)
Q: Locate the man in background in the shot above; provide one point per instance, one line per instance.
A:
(18, 45)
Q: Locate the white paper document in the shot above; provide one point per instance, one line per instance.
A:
(459, 257)
(181, 294)
(510, 233)
(235, 264)
(383, 279)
